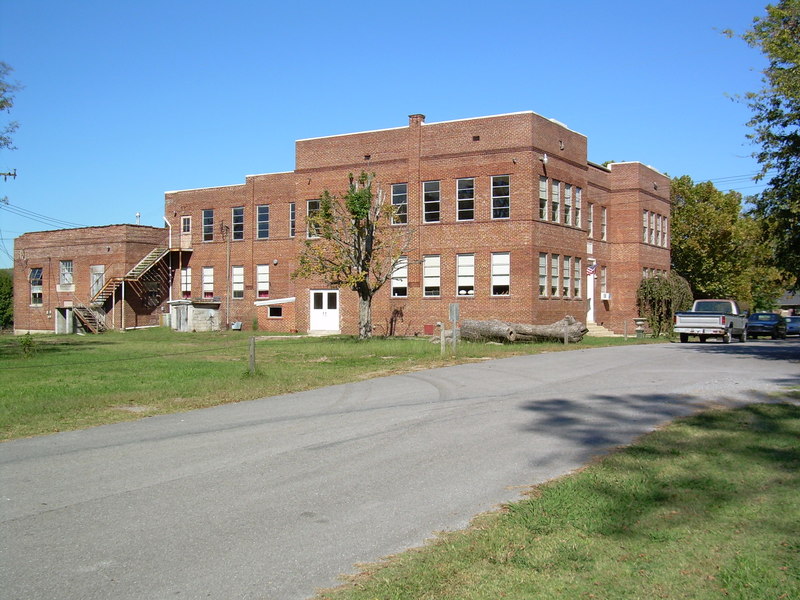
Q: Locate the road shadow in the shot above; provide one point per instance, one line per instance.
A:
(786, 350)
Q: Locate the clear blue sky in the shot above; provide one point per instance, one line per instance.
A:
(126, 100)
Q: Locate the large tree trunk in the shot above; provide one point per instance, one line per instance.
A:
(522, 332)
(364, 317)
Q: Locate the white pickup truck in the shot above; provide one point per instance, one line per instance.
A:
(712, 318)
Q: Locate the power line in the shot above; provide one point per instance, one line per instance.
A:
(44, 219)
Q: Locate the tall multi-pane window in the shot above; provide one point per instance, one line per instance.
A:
(555, 201)
(543, 198)
(658, 230)
(292, 219)
(208, 282)
(501, 197)
(578, 200)
(543, 273)
(431, 275)
(65, 273)
(431, 202)
(590, 221)
(186, 282)
(35, 279)
(645, 221)
(262, 221)
(237, 282)
(603, 223)
(501, 273)
(554, 273)
(312, 208)
(262, 281)
(666, 234)
(603, 280)
(567, 204)
(465, 194)
(186, 224)
(400, 278)
(208, 225)
(652, 228)
(399, 203)
(465, 274)
(566, 272)
(577, 280)
(237, 219)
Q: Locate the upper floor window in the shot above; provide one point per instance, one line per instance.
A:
(590, 221)
(501, 273)
(262, 221)
(400, 278)
(208, 225)
(186, 224)
(399, 203)
(578, 200)
(543, 198)
(567, 204)
(65, 273)
(35, 279)
(465, 274)
(237, 219)
(292, 219)
(431, 276)
(555, 201)
(431, 202)
(501, 197)
(465, 197)
(312, 208)
(603, 223)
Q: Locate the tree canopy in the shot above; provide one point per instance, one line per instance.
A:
(7, 91)
(776, 127)
(353, 244)
(720, 249)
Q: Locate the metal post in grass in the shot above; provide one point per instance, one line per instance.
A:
(454, 314)
(252, 355)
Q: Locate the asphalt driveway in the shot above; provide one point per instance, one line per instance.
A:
(275, 497)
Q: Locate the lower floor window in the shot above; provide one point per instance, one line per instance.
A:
(237, 282)
(501, 274)
(275, 312)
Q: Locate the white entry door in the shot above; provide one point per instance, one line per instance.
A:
(591, 276)
(324, 311)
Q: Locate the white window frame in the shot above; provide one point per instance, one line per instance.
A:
(465, 275)
(501, 197)
(208, 282)
(237, 282)
(555, 201)
(431, 197)
(578, 207)
(186, 282)
(399, 204)
(465, 199)
(237, 223)
(501, 274)
(400, 278)
(603, 223)
(577, 279)
(566, 277)
(208, 224)
(567, 204)
(186, 224)
(543, 203)
(543, 274)
(292, 219)
(431, 276)
(65, 273)
(262, 221)
(37, 289)
(262, 281)
(555, 276)
(590, 221)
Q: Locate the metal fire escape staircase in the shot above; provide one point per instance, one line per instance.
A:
(143, 278)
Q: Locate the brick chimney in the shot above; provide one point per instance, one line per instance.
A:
(416, 120)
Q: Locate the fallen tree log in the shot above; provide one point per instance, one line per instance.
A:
(523, 332)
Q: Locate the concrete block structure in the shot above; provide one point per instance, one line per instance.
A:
(506, 216)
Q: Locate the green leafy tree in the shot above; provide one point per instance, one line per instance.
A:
(776, 127)
(7, 91)
(353, 244)
(720, 250)
(660, 297)
(6, 299)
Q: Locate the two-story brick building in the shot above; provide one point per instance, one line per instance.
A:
(505, 214)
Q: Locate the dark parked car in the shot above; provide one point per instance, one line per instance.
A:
(762, 324)
(792, 325)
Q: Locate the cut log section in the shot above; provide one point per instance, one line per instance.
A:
(522, 332)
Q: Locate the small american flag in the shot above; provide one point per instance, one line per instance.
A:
(591, 269)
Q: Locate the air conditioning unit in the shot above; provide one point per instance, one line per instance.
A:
(605, 296)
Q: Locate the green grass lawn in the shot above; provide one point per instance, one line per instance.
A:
(707, 508)
(55, 383)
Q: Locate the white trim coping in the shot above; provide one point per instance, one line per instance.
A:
(275, 301)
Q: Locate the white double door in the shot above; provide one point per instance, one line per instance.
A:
(324, 310)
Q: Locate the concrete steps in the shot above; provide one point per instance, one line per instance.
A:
(596, 330)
